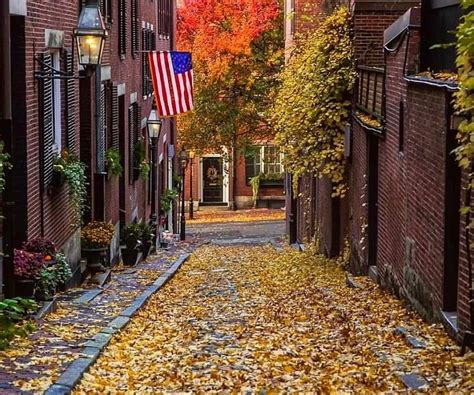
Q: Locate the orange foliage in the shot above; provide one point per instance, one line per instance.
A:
(218, 32)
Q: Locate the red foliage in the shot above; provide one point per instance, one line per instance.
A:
(218, 32)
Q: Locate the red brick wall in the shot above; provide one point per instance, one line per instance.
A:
(52, 216)
(128, 71)
(370, 21)
(465, 258)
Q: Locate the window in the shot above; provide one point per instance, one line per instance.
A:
(401, 127)
(106, 10)
(266, 160)
(164, 18)
(57, 106)
(148, 44)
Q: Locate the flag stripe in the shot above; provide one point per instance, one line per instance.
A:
(156, 86)
(182, 94)
(172, 77)
(166, 83)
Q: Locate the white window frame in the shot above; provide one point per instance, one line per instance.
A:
(57, 103)
(278, 165)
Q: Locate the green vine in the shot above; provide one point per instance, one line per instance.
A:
(255, 184)
(75, 173)
(314, 102)
(140, 161)
(167, 198)
(145, 169)
(464, 97)
(4, 164)
(114, 167)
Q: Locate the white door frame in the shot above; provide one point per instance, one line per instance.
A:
(225, 181)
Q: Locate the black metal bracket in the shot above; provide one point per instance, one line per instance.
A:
(53, 74)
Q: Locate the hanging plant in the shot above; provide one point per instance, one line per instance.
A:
(167, 198)
(144, 169)
(75, 173)
(4, 164)
(255, 184)
(314, 102)
(113, 159)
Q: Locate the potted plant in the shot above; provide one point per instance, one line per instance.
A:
(27, 268)
(43, 246)
(114, 167)
(62, 270)
(46, 284)
(74, 172)
(167, 199)
(139, 159)
(131, 244)
(95, 240)
(165, 239)
(147, 236)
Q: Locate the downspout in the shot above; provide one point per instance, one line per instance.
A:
(6, 241)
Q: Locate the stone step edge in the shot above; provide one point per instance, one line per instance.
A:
(92, 349)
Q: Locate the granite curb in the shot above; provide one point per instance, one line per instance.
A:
(92, 348)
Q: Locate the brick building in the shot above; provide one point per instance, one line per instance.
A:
(401, 216)
(213, 183)
(58, 105)
(406, 189)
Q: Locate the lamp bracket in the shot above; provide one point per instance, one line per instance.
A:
(53, 74)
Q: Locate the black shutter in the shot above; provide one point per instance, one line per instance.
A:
(135, 27)
(144, 48)
(115, 119)
(122, 27)
(101, 136)
(71, 104)
(131, 142)
(47, 121)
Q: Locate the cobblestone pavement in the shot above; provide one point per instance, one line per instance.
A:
(256, 319)
(238, 230)
(31, 365)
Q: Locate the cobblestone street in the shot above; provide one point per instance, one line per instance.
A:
(251, 318)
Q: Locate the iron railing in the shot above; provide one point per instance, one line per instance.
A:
(370, 91)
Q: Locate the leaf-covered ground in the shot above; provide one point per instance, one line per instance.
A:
(32, 364)
(251, 319)
(222, 216)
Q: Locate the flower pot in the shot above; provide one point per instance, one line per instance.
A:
(58, 179)
(95, 257)
(42, 295)
(129, 256)
(146, 247)
(25, 288)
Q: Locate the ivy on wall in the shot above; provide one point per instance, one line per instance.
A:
(314, 102)
(464, 97)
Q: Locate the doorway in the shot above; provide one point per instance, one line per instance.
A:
(213, 177)
(452, 219)
(122, 179)
(373, 191)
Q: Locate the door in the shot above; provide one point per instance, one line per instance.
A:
(373, 181)
(213, 175)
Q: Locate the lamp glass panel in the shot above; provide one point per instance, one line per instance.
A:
(90, 19)
(89, 49)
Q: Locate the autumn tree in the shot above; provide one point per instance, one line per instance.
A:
(237, 48)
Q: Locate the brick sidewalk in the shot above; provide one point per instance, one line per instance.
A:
(33, 364)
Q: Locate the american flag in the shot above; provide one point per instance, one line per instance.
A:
(172, 74)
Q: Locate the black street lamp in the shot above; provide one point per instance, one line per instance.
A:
(90, 35)
(183, 157)
(154, 125)
(191, 202)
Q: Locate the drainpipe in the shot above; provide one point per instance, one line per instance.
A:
(5, 120)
